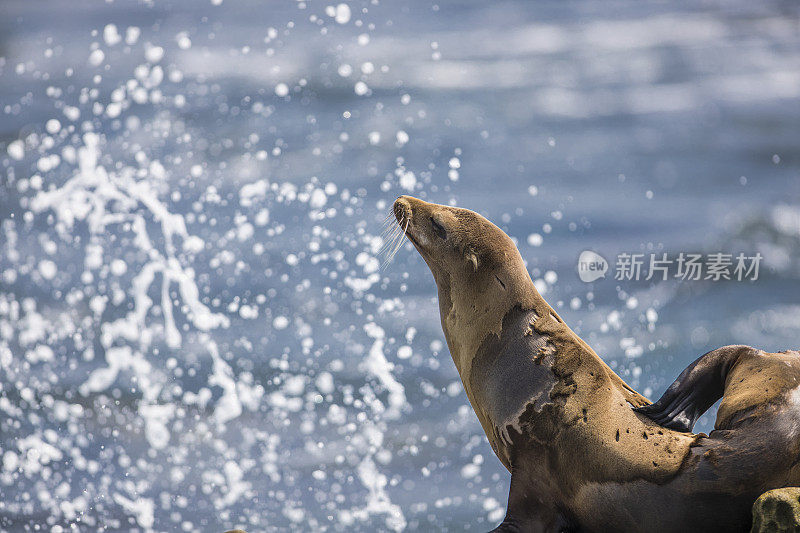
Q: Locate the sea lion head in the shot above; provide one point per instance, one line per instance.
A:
(478, 270)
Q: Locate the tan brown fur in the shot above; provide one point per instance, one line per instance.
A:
(757, 382)
(580, 456)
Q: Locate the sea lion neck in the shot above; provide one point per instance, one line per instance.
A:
(479, 272)
(470, 316)
(481, 278)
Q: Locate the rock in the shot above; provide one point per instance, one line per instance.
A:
(777, 511)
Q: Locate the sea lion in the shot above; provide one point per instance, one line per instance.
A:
(586, 452)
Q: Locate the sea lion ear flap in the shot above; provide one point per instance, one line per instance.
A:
(470, 256)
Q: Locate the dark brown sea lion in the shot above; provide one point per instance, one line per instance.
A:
(586, 452)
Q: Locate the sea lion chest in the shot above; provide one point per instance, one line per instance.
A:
(510, 376)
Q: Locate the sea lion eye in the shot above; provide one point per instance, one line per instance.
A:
(438, 229)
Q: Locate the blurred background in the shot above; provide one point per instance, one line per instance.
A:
(196, 330)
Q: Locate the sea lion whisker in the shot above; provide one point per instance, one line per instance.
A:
(390, 232)
(395, 238)
(396, 243)
(388, 242)
(388, 222)
(385, 239)
(400, 241)
(387, 246)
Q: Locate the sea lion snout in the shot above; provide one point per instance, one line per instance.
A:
(402, 209)
(453, 240)
(411, 213)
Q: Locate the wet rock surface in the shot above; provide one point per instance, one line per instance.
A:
(777, 511)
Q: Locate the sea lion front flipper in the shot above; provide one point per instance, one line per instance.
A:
(696, 389)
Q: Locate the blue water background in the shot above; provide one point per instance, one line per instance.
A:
(642, 127)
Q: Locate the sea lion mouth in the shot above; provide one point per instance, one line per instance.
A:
(413, 240)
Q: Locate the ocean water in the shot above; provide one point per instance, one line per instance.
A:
(196, 328)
